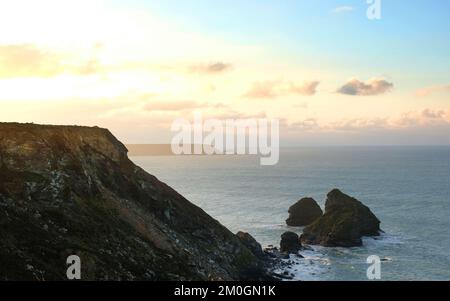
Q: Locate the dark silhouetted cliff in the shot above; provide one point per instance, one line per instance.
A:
(72, 190)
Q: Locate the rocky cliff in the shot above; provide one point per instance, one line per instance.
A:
(68, 190)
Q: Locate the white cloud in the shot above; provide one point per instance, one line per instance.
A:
(273, 89)
(432, 90)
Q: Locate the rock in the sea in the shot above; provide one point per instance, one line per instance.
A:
(290, 243)
(251, 244)
(345, 222)
(303, 213)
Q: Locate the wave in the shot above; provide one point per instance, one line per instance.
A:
(383, 239)
(312, 267)
(320, 263)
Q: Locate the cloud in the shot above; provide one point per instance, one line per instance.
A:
(427, 118)
(431, 90)
(307, 89)
(233, 114)
(343, 9)
(273, 89)
(308, 124)
(416, 119)
(91, 67)
(179, 106)
(266, 89)
(27, 60)
(213, 68)
(433, 114)
(372, 87)
(358, 124)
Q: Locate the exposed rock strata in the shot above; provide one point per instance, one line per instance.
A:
(72, 190)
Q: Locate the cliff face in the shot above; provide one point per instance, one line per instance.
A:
(72, 190)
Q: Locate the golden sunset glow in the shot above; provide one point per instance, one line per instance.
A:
(101, 63)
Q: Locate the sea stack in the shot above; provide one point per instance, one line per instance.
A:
(303, 213)
(345, 222)
(290, 243)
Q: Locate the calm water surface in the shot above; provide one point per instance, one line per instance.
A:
(408, 188)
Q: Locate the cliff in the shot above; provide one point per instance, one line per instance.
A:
(72, 190)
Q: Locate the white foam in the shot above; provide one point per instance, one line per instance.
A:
(310, 268)
(383, 239)
(318, 262)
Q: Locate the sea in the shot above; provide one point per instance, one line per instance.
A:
(407, 187)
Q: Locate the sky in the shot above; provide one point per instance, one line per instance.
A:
(330, 74)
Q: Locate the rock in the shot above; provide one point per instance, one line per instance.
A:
(303, 213)
(282, 276)
(345, 222)
(82, 183)
(290, 243)
(251, 244)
